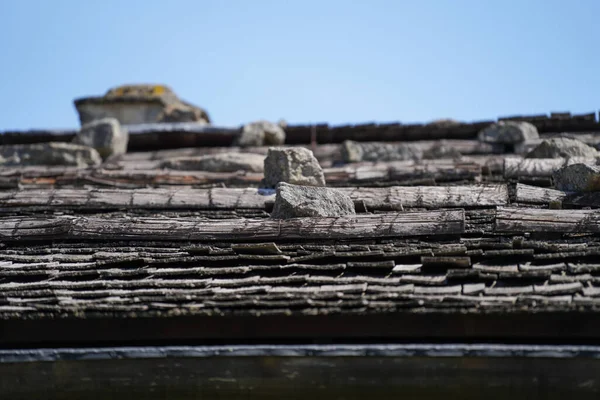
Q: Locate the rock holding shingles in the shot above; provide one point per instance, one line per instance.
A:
(222, 162)
(293, 201)
(52, 153)
(295, 165)
(261, 133)
(105, 135)
(376, 151)
(562, 147)
(578, 178)
(509, 132)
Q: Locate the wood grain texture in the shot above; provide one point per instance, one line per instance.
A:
(323, 152)
(364, 174)
(515, 167)
(249, 198)
(537, 195)
(403, 172)
(441, 222)
(430, 196)
(159, 198)
(522, 220)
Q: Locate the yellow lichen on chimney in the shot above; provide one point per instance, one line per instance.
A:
(158, 90)
(141, 90)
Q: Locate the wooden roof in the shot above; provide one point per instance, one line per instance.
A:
(475, 237)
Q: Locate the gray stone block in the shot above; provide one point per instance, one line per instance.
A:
(293, 201)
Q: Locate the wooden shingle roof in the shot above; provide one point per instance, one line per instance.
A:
(466, 239)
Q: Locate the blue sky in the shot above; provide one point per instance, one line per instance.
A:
(336, 61)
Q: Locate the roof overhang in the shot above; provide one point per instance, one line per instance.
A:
(450, 371)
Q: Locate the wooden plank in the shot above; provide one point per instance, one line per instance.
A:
(430, 196)
(302, 371)
(247, 198)
(441, 222)
(142, 137)
(436, 170)
(515, 167)
(522, 220)
(364, 174)
(382, 132)
(537, 195)
(403, 172)
(491, 163)
(37, 136)
(325, 153)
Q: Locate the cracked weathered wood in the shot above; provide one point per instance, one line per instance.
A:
(537, 195)
(248, 198)
(323, 152)
(522, 220)
(430, 196)
(403, 172)
(408, 173)
(515, 167)
(441, 222)
(159, 198)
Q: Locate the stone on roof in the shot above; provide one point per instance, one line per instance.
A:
(456, 239)
(578, 178)
(105, 135)
(261, 133)
(294, 201)
(562, 147)
(295, 165)
(509, 132)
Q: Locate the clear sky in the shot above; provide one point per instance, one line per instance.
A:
(333, 61)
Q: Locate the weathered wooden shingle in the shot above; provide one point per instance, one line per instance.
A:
(454, 234)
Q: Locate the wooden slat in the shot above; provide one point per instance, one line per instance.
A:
(159, 198)
(515, 167)
(323, 152)
(364, 174)
(403, 172)
(383, 225)
(521, 220)
(37, 136)
(142, 137)
(248, 198)
(430, 196)
(537, 195)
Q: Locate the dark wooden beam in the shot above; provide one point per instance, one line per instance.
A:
(507, 327)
